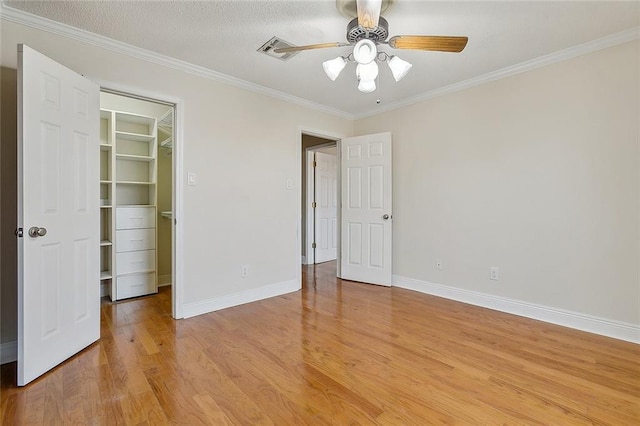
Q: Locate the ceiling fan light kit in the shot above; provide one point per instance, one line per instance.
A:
(366, 86)
(334, 67)
(366, 33)
(365, 51)
(399, 67)
(367, 72)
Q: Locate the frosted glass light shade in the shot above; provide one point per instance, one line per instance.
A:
(367, 72)
(365, 51)
(399, 67)
(333, 67)
(366, 86)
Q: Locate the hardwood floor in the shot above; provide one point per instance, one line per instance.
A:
(335, 353)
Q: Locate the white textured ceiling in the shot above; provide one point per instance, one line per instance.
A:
(223, 36)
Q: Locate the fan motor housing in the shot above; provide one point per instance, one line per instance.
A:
(356, 33)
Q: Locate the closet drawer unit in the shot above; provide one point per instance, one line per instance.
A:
(135, 217)
(136, 285)
(135, 239)
(135, 261)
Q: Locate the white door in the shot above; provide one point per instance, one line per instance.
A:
(326, 211)
(58, 210)
(366, 209)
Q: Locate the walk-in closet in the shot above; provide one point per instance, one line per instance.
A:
(136, 193)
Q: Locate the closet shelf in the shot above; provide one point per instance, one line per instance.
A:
(128, 182)
(105, 147)
(167, 214)
(105, 243)
(132, 157)
(136, 137)
(105, 275)
(167, 143)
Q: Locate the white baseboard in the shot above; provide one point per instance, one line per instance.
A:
(222, 302)
(8, 352)
(164, 280)
(616, 329)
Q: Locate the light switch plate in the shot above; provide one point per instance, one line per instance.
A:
(191, 178)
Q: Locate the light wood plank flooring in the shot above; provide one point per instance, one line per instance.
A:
(337, 352)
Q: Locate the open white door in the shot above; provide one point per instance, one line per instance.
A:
(58, 213)
(326, 211)
(366, 209)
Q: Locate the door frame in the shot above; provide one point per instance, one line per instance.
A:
(177, 240)
(303, 130)
(310, 254)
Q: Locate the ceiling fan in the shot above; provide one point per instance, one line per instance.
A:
(366, 32)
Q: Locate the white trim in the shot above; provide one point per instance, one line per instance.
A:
(48, 25)
(579, 321)
(310, 219)
(177, 239)
(303, 130)
(247, 296)
(8, 352)
(562, 55)
(303, 259)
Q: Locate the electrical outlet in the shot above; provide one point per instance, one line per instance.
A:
(439, 265)
(244, 271)
(494, 273)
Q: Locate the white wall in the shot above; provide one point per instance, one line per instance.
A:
(124, 103)
(537, 174)
(242, 146)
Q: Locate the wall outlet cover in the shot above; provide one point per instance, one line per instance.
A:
(494, 273)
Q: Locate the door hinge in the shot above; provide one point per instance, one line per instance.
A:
(313, 245)
(315, 164)
(18, 232)
(313, 205)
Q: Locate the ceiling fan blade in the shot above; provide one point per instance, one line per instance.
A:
(309, 47)
(435, 43)
(368, 13)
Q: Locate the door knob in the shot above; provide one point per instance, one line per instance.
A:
(386, 217)
(35, 232)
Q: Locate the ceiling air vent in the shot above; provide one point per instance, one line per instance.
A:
(277, 43)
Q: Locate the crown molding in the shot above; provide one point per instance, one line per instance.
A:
(562, 55)
(48, 25)
(53, 27)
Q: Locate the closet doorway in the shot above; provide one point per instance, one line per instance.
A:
(137, 199)
(319, 200)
